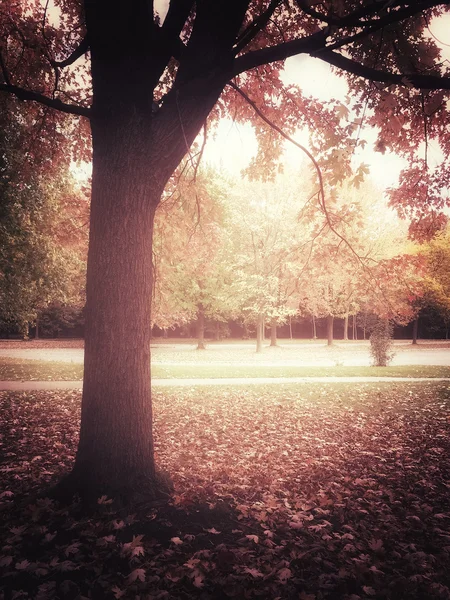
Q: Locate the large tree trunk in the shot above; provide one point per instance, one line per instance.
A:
(330, 320)
(116, 446)
(137, 145)
(273, 332)
(200, 327)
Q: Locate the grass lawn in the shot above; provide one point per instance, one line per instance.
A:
(327, 491)
(13, 369)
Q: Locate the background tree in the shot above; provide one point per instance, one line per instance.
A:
(154, 81)
(43, 232)
(269, 225)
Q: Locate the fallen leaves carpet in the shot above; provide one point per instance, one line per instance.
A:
(313, 492)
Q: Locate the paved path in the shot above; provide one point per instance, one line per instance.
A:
(73, 385)
(290, 354)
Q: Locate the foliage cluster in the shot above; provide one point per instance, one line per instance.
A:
(381, 343)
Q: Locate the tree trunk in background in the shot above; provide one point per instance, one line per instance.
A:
(330, 320)
(36, 331)
(354, 330)
(200, 327)
(346, 326)
(415, 332)
(290, 327)
(273, 332)
(217, 331)
(314, 327)
(259, 333)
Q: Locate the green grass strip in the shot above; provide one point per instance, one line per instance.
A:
(35, 370)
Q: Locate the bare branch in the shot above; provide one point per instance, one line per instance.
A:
(81, 49)
(425, 82)
(4, 70)
(315, 45)
(55, 103)
(354, 19)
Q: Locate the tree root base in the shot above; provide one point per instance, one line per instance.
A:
(143, 489)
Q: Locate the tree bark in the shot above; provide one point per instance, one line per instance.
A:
(273, 332)
(314, 327)
(115, 452)
(330, 320)
(36, 329)
(201, 327)
(136, 148)
(346, 326)
(259, 333)
(290, 327)
(415, 332)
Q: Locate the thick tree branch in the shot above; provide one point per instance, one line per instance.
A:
(354, 19)
(306, 45)
(318, 40)
(424, 82)
(375, 25)
(255, 27)
(81, 49)
(55, 103)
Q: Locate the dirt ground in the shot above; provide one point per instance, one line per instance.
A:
(295, 352)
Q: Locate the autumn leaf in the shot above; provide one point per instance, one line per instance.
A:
(198, 581)
(177, 541)
(253, 538)
(369, 590)
(376, 545)
(104, 500)
(136, 575)
(253, 572)
(284, 574)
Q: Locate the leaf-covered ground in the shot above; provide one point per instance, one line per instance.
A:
(16, 369)
(314, 492)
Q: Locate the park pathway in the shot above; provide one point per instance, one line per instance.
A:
(75, 385)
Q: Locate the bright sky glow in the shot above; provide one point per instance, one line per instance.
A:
(235, 145)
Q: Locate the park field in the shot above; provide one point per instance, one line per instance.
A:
(319, 491)
(53, 360)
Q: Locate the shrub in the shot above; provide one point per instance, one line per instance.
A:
(381, 343)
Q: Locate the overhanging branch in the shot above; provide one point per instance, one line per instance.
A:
(81, 49)
(55, 103)
(424, 82)
(321, 193)
(315, 45)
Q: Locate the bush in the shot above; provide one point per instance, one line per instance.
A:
(381, 343)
